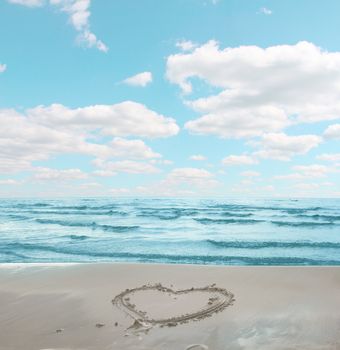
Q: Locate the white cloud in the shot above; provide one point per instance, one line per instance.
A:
(332, 132)
(189, 173)
(124, 166)
(186, 181)
(329, 157)
(28, 3)
(141, 79)
(186, 45)
(9, 182)
(263, 90)
(239, 160)
(283, 147)
(250, 173)
(123, 119)
(135, 149)
(306, 186)
(104, 173)
(161, 161)
(79, 14)
(306, 172)
(198, 157)
(46, 131)
(48, 174)
(3, 67)
(119, 191)
(313, 170)
(266, 11)
(294, 177)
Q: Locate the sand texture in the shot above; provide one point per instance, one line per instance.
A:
(168, 307)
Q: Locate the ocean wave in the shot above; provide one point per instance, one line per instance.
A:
(237, 215)
(30, 205)
(15, 217)
(161, 215)
(76, 212)
(92, 225)
(77, 237)
(320, 217)
(208, 221)
(273, 244)
(167, 258)
(237, 207)
(303, 224)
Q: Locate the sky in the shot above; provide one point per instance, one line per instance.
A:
(169, 98)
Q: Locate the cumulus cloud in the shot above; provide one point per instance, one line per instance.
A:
(239, 160)
(265, 11)
(294, 177)
(46, 131)
(108, 168)
(306, 186)
(186, 45)
(329, 157)
(78, 12)
(313, 170)
(48, 174)
(3, 67)
(7, 182)
(283, 147)
(198, 157)
(141, 79)
(28, 3)
(124, 148)
(250, 173)
(332, 132)
(123, 119)
(262, 90)
(306, 172)
(187, 181)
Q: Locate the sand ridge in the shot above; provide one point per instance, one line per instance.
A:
(218, 300)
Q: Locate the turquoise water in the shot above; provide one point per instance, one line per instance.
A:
(202, 231)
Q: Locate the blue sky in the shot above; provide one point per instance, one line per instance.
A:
(169, 98)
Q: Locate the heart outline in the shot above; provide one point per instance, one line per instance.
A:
(144, 323)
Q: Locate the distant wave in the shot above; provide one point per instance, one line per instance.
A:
(320, 217)
(30, 205)
(76, 237)
(207, 221)
(167, 213)
(305, 224)
(77, 212)
(237, 215)
(16, 217)
(87, 207)
(161, 214)
(256, 208)
(92, 225)
(167, 258)
(273, 244)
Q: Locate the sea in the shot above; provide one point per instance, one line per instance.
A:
(171, 230)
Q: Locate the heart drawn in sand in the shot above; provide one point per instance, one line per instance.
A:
(152, 305)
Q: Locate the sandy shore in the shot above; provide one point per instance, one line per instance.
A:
(74, 307)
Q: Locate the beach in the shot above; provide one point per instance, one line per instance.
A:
(70, 306)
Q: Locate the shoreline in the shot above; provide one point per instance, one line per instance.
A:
(69, 306)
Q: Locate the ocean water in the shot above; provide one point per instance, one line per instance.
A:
(197, 231)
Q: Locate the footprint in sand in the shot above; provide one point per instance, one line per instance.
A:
(197, 347)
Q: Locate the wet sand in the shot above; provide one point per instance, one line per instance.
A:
(168, 307)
